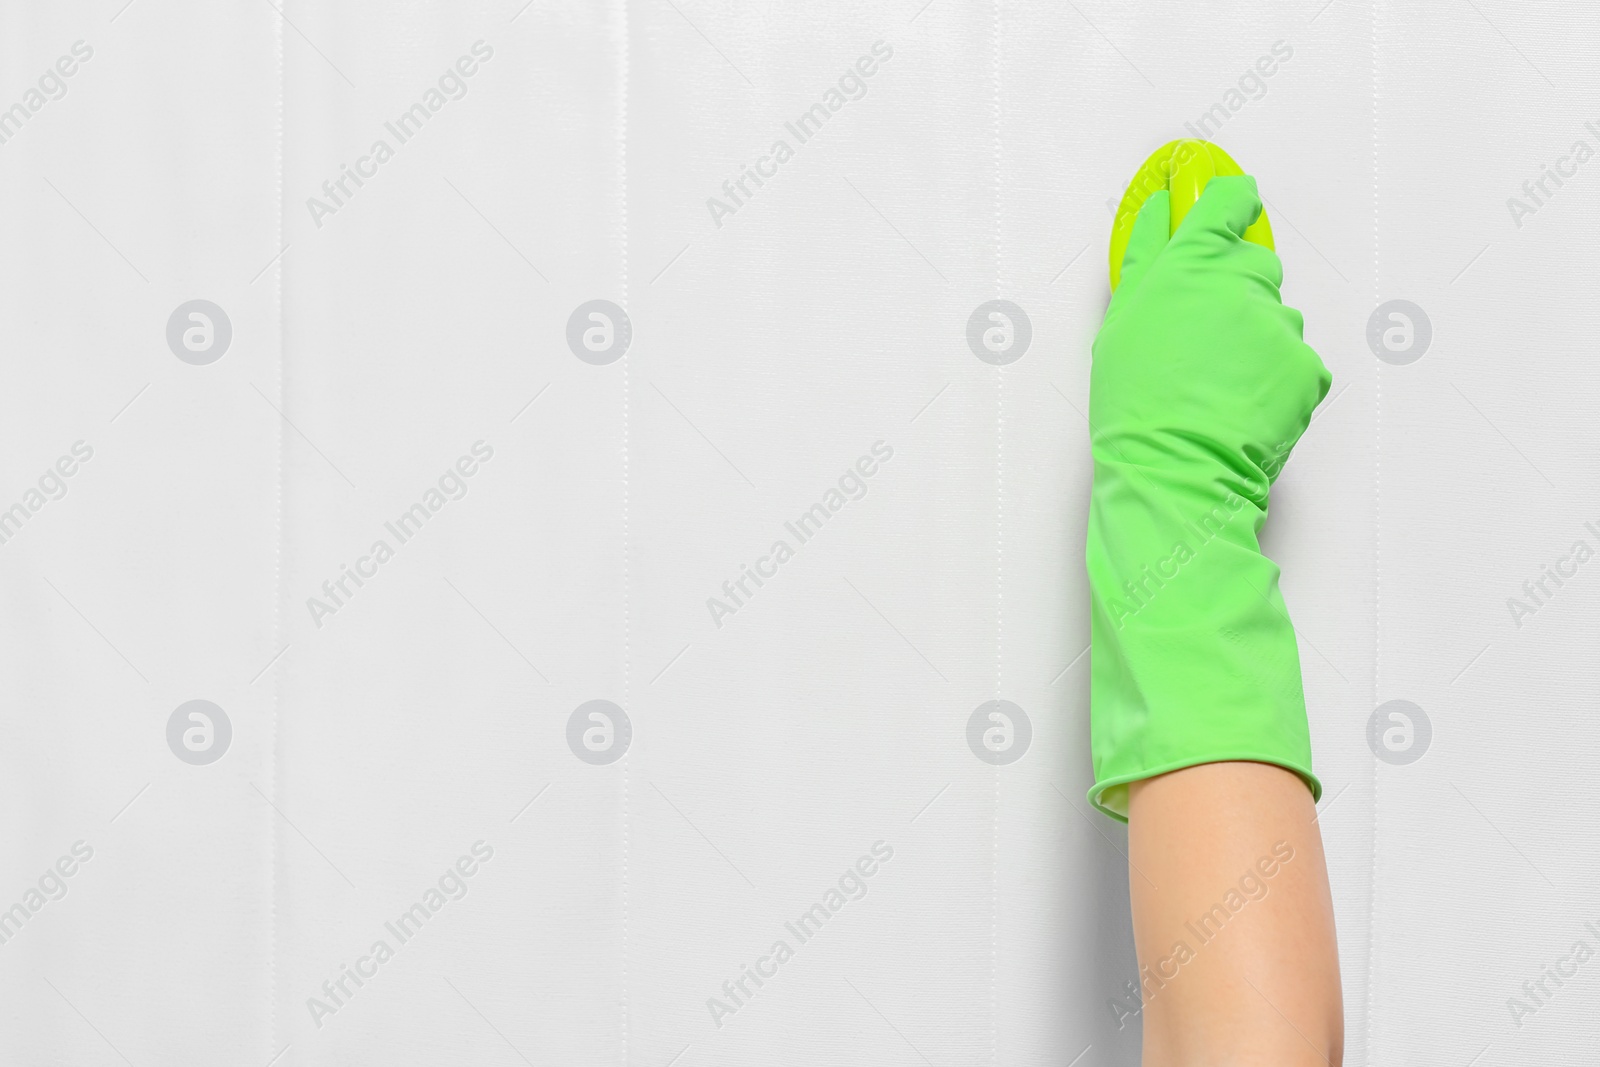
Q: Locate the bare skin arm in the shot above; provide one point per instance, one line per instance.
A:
(1233, 920)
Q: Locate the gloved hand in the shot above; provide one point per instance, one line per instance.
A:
(1200, 387)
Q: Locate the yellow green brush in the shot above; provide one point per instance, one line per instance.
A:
(1182, 168)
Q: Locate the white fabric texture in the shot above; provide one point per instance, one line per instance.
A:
(400, 345)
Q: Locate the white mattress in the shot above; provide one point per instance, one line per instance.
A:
(776, 335)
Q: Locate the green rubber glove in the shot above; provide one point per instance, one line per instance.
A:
(1201, 386)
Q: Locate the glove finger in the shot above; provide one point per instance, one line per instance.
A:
(1323, 375)
(1150, 230)
(1261, 261)
(1228, 205)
